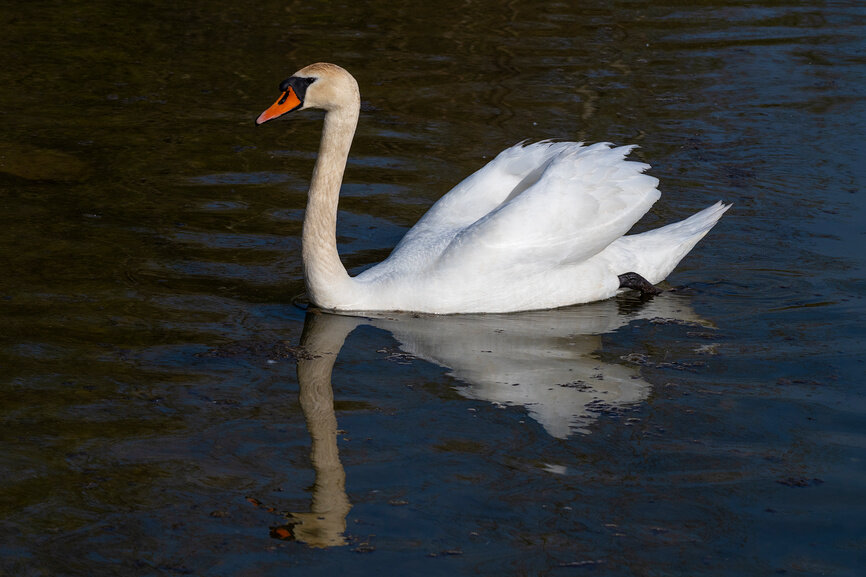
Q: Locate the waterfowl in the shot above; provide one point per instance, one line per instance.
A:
(541, 226)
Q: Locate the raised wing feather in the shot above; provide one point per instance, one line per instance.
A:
(510, 173)
(585, 198)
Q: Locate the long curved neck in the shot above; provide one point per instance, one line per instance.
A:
(328, 283)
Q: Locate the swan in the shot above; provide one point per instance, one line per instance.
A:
(541, 226)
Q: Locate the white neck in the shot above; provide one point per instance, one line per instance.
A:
(328, 283)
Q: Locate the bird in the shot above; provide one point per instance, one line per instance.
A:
(543, 225)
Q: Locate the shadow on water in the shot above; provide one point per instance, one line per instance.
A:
(542, 361)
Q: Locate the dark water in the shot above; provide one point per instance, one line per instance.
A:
(167, 410)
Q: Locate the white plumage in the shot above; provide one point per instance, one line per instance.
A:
(540, 226)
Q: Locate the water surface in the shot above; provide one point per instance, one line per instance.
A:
(167, 409)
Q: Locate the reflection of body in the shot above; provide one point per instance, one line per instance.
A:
(542, 360)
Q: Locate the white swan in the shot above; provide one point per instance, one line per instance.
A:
(540, 226)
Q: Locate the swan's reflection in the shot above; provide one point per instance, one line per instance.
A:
(325, 523)
(542, 360)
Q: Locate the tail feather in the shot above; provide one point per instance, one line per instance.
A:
(699, 223)
(655, 253)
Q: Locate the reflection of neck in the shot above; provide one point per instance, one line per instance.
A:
(322, 339)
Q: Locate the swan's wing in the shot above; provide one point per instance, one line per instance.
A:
(510, 173)
(586, 198)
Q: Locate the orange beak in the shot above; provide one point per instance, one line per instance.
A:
(287, 102)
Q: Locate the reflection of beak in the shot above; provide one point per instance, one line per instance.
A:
(283, 532)
(287, 102)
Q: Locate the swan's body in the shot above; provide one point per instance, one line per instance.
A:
(540, 226)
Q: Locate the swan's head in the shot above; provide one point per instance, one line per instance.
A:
(319, 85)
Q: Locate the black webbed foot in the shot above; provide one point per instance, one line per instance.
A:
(632, 280)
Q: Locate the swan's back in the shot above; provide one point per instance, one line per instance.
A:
(531, 208)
